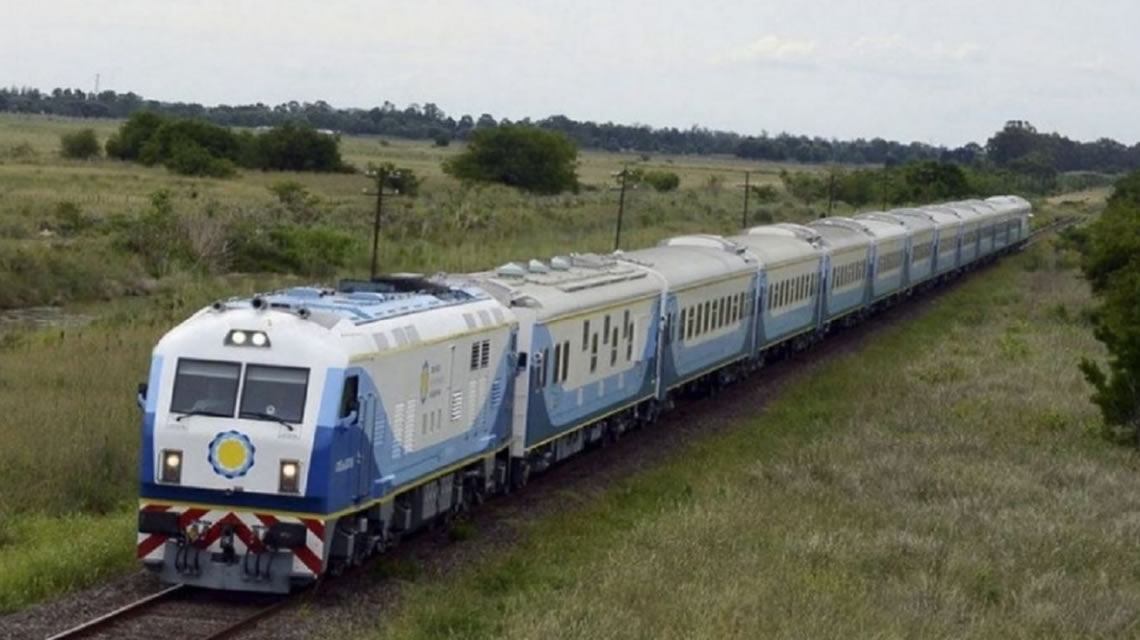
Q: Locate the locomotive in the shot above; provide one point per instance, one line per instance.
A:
(290, 435)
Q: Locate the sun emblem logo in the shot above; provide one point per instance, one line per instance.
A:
(231, 454)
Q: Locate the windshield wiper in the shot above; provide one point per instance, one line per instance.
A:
(261, 415)
(197, 412)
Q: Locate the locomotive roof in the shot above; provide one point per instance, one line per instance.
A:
(363, 301)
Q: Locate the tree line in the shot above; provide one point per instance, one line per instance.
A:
(1018, 145)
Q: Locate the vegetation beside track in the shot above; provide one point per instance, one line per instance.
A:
(945, 479)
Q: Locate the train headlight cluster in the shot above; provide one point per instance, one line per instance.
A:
(289, 480)
(242, 338)
(171, 466)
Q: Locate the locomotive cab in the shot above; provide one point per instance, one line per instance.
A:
(232, 413)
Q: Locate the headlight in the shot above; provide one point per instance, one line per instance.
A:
(171, 466)
(242, 338)
(289, 478)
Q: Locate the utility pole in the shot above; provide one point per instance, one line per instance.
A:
(621, 205)
(380, 174)
(830, 193)
(744, 219)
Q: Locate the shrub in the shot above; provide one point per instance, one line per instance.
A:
(662, 180)
(191, 159)
(128, 142)
(79, 145)
(292, 147)
(529, 158)
(311, 251)
(1111, 265)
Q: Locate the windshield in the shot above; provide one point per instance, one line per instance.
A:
(274, 393)
(205, 386)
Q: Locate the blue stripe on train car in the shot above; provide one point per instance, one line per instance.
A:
(883, 287)
(146, 453)
(556, 410)
(839, 304)
(787, 323)
(921, 271)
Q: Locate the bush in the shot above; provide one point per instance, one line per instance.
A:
(156, 236)
(128, 142)
(662, 180)
(529, 158)
(292, 147)
(79, 145)
(311, 251)
(191, 159)
(1111, 264)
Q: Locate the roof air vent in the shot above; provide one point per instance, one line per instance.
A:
(560, 263)
(537, 266)
(511, 270)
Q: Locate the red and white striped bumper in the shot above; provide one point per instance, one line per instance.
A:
(204, 529)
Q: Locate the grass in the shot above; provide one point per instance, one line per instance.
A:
(44, 555)
(945, 480)
(449, 226)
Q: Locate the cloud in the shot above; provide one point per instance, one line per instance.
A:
(898, 48)
(771, 48)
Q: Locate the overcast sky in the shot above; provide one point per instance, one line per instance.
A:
(940, 72)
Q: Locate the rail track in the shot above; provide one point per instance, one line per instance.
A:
(182, 612)
(187, 613)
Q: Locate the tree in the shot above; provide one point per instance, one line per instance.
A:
(1111, 264)
(79, 145)
(292, 147)
(128, 142)
(519, 156)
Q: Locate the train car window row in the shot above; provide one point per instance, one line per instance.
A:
(849, 273)
(710, 315)
(890, 261)
(793, 290)
(923, 251)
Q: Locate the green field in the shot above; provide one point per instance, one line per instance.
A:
(450, 226)
(946, 479)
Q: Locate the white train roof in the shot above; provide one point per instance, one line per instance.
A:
(687, 261)
(777, 245)
(940, 219)
(1015, 204)
(567, 284)
(915, 223)
(900, 223)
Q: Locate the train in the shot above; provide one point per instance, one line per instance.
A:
(291, 435)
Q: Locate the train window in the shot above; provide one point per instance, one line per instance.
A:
(348, 396)
(557, 365)
(613, 347)
(627, 327)
(485, 356)
(565, 361)
(708, 316)
(594, 353)
(475, 356)
(274, 393)
(606, 330)
(208, 387)
(585, 335)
